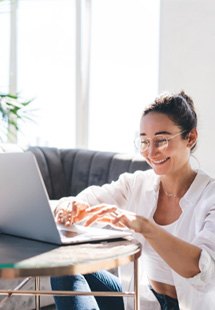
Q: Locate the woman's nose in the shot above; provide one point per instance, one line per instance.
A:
(152, 149)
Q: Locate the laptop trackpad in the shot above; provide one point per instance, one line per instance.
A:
(72, 231)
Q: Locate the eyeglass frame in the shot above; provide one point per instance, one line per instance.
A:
(148, 139)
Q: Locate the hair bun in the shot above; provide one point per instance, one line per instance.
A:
(188, 99)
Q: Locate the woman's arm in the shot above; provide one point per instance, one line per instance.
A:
(180, 255)
(72, 209)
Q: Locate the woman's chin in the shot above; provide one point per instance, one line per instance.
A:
(160, 169)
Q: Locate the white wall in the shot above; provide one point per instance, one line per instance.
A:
(187, 61)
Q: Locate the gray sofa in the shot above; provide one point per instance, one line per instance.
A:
(66, 172)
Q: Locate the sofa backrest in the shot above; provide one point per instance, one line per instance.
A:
(67, 172)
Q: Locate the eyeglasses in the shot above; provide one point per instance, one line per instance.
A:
(160, 142)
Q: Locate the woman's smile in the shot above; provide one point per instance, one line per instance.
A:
(159, 162)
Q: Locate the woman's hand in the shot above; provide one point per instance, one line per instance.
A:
(115, 217)
(70, 211)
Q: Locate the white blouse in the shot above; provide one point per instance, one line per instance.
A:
(138, 192)
(156, 268)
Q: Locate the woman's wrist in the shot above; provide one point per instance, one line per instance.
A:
(148, 228)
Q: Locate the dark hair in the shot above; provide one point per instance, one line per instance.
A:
(178, 107)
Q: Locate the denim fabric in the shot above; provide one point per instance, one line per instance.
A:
(166, 302)
(99, 281)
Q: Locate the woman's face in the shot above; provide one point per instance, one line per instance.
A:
(165, 150)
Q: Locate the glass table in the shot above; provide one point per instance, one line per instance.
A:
(21, 257)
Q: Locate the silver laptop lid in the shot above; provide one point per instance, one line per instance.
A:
(24, 204)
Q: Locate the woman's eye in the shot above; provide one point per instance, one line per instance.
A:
(161, 141)
(144, 142)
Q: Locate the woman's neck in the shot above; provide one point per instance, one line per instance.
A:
(176, 185)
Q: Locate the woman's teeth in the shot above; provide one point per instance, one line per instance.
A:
(157, 162)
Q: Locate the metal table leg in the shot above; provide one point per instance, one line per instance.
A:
(37, 296)
(136, 286)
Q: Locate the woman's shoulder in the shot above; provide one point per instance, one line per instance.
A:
(204, 177)
(204, 184)
(146, 178)
(149, 173)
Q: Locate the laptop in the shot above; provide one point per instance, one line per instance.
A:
(25, 209)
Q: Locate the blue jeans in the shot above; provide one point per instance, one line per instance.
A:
(99, 281)
(166, 302)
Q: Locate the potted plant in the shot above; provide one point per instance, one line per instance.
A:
(13, 110)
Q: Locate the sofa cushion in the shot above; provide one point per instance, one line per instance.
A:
(66, 172)
(52, 170)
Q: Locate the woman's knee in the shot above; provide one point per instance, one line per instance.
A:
(70, 283)
(73, 283)
(103, 280)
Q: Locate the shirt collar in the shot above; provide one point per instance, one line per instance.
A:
(194, 192)
(196, 188)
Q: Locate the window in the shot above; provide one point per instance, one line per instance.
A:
(46, 69)
(5, 44)
(123, 69)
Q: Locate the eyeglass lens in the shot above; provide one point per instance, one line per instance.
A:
(159, 142)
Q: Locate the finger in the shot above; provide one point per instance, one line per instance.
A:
(68, 219)
(64, 216)
(62, 205)
(76, 212)
(79, 216)
(60, 214)
(91, 220)
(101, 207)
(98, 217)
(105, 210)
(123, 220)
(79, 209)
(109, 221)
(62, 219)
(104, 216)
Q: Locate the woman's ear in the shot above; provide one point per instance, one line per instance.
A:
(192, 138)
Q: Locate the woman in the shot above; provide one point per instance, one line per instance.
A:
(171, 207)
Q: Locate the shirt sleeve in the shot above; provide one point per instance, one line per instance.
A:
(205, 280)
(206, 241)
(116, 193)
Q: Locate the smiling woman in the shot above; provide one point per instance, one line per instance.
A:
(163, 118)
(169, 207)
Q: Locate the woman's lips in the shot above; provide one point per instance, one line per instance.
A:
(160, 161)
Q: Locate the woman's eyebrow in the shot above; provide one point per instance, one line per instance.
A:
(162, 132)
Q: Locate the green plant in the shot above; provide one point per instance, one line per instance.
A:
(13, 110)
